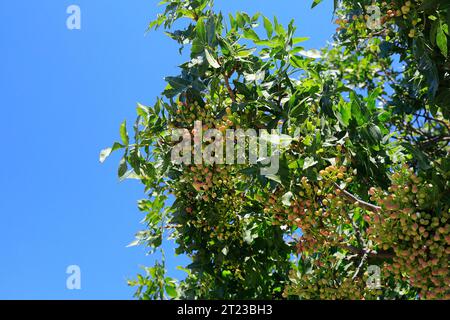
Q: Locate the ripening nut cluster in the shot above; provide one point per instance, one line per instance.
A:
(324, 281)
(355, 21)
(404, 11)
(316, 201)
(187, 113)
(398, 10)
(417, 233)
(391, 12)
(206, 178)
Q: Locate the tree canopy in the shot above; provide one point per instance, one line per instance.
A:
(359, 206)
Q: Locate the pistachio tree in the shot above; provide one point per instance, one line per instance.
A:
(359, 205)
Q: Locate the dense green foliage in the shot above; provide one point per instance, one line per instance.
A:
(364, 167)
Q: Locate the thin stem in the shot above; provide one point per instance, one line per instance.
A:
(227, 85)
(362, 203)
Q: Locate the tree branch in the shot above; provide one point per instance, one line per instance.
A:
(442, 122)
(370, 253)
(227, 85)
(363, 204)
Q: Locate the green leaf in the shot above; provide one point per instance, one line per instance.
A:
(448, 18)
(123, 168)
(134, 243)
(421, 157)
(240, 20)
(269, 27)
(375, 133)
(268, 43)
(177, 82)
(346, 113)
(171, 291)
(433, 32)
(335, 6)
(124, 133)
(226, 273)
(201, 30)
(105, 153)
(445, 28)
(197, 47)
(441, 40)
(245, 53)
(279, 28)
(299, 39)
(313, 53)
(357, 109)
(384, 116)
(251, 35)
(315, 3)
(212, 62)
(156, 23)
(298, 62)
(142, 110)
(210, 31)
(188, 13)
(232, 21)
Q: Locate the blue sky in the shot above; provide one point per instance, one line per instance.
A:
(63, 94)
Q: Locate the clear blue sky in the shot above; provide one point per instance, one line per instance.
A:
(63, 95)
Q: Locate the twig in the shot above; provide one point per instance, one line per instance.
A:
(436, 139)
(227, 85)
(363, 204)
(358, 269)
(370, 254)
(434, 119)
